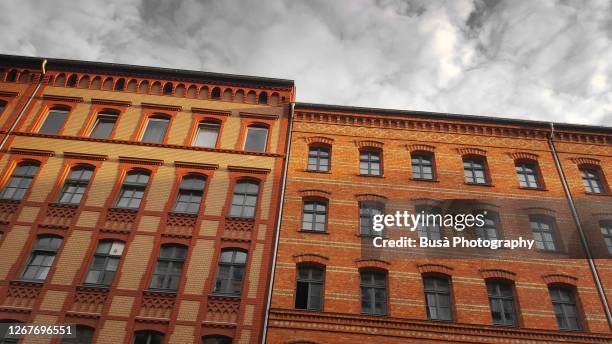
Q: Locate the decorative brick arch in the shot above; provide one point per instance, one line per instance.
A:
(372, 264)
(435, 268)
(369, 144)
(585, 161)
(305, 258)
(497, 273)
(523, 156)
(471, 151)
(560, 279)
(315, 193)
(420, 148)
(370, 197)
(539, 211)
(319, 139)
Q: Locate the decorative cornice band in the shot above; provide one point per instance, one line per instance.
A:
(210, 111)
(58, 98)
(560, 278)
(8, 94)
(85, 156)
(111, 102)
(27, 151)
(140, 161)
(259, 116)
(242, 169)
(163, 107)
(196, 165)
(437, 268)
(497, 273)
(372, 263)
(315, 193)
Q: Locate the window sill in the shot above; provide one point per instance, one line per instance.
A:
(312, 232)
(224, 297)
(177, 214)
(27, 282)
(371, 175)
(602, 194)
(159, 292)
(425, 180)
(479, 184)
(315, 171)
(532, 189)
(124, 210)
(93, 287)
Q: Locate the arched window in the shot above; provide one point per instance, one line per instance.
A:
(438, 298)
(2, 106)
(155, 131)
(120, 85)
(367, 211)
(216, 93)
(489, 230)
(20, 181)
(72, 81)
(5, 337)
(318, 158)
(148, 337)
(244, 200)
(309, 288)
(543, 228)
(314, 216)
(256, 138)
(105, 262)
(12, 75)
(263, 98)
(190, 194)
(84, 335)
(528, 175)
(169, 267)
(104, 124)
(474, 170)
(565, 306)
(501, 301)
(207, 134)
(168, 88)
(422, 166)
(592, 178)
(41, 258)
(216, 340)
(75, 185)
(370, 162)
(230, 272)
(373, 292)
(54, 121)
(133, 189)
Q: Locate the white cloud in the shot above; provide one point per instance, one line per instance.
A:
(546, 60)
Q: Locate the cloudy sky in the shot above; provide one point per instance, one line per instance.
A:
(544, 59)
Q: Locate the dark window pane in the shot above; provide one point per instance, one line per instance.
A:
(54, 122)
(156, 130)
(256, 139)
(207, 135)
(103, 127)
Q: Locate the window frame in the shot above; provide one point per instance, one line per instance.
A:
(575, 302)
(149, 334)
(10, 176)
(80, 183)
(372, 288)
(437, 293)
(121, 190)
(171, 261)
(523, 165)
(158, 117)
(501, 298)
(551, 222)
(232, 266)
(207, 122)
(371, 151)
(485, 170)
(371, 232)
(310, 281)
(35, 250)
(606, 226)
(107, 113)
(107, 257)
(316, 202)
(245, 195)
(256, 126)
(77, 340)
(598, 176)
(433, 210)
(493, 216)
(181, 189)
(432, 165)
(47, 111)
(317, 166)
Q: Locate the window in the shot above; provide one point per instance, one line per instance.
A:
(501, 300)
(489, 230)
(42, 256)
(367, 210)
(216, 340)
(437, 298)
(527, 175)
(564, 304)
(54, 121)
(244, 200)
(133, 189)
(309, 289)
(474, 171)
(190, 194)
(373, 292)
(105, 262)
(606, 231)
(256, 139)
(369, 163)
(2, 106)
(148, 337)
(207, 135)
(318, 159)
(422, 166)
(230, 272)
(543, 232)
(104, 124)
(20, 181)
(156, 129)
(169, 267)
(429, 227)
(75, 185)
(5, 337)
(591, 178)
(84, 335)
(315, 216)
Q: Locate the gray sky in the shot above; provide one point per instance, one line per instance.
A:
(537, 59)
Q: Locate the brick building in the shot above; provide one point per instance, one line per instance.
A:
(138, 203)
(347, 163)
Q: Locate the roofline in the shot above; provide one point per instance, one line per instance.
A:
(72, 65)
(453, 116)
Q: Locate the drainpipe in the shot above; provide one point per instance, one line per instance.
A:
(27, 104)
(583, 240)
(278, 226)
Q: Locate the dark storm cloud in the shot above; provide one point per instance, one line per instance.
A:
(530, 59)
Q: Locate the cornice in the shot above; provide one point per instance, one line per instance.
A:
(163, 107)
(210, 111)
(242, 169)
(28, 151)
(420, 148)
(196, 165)
(523, 155)
(85, 156)
(111, 102)
(319, 139)
(8, 94)
(471, 151)
(261, 116)
(140, 161)
(59, 98)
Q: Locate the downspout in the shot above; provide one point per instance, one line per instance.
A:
(27, 104)
(583, 240)
(278, 226)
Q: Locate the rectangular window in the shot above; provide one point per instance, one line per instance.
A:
(190, 194)
(437, 297)
(367, 211)
(489, 230)
(606, 231)
(256, 139)
(430, 226)
(422, 167)
(309, 289)
(75, 185)
(315, 216)
(54, 122)
(474, 171)
(156, 130)
(133, 189)
(591, 180)
(527, 175)
(230, 272)
(207, 135)
(564, 304)
(41, 259)
(244, 200)
(20, 181)
(501, 300)
(543, 233)
(103, 127)
(373, 292)
(105, 263)
(369, 163)
(318, 159)
(169, 268)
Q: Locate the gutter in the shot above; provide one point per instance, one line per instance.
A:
(278, 226)
(27, 104)
(583, 240)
